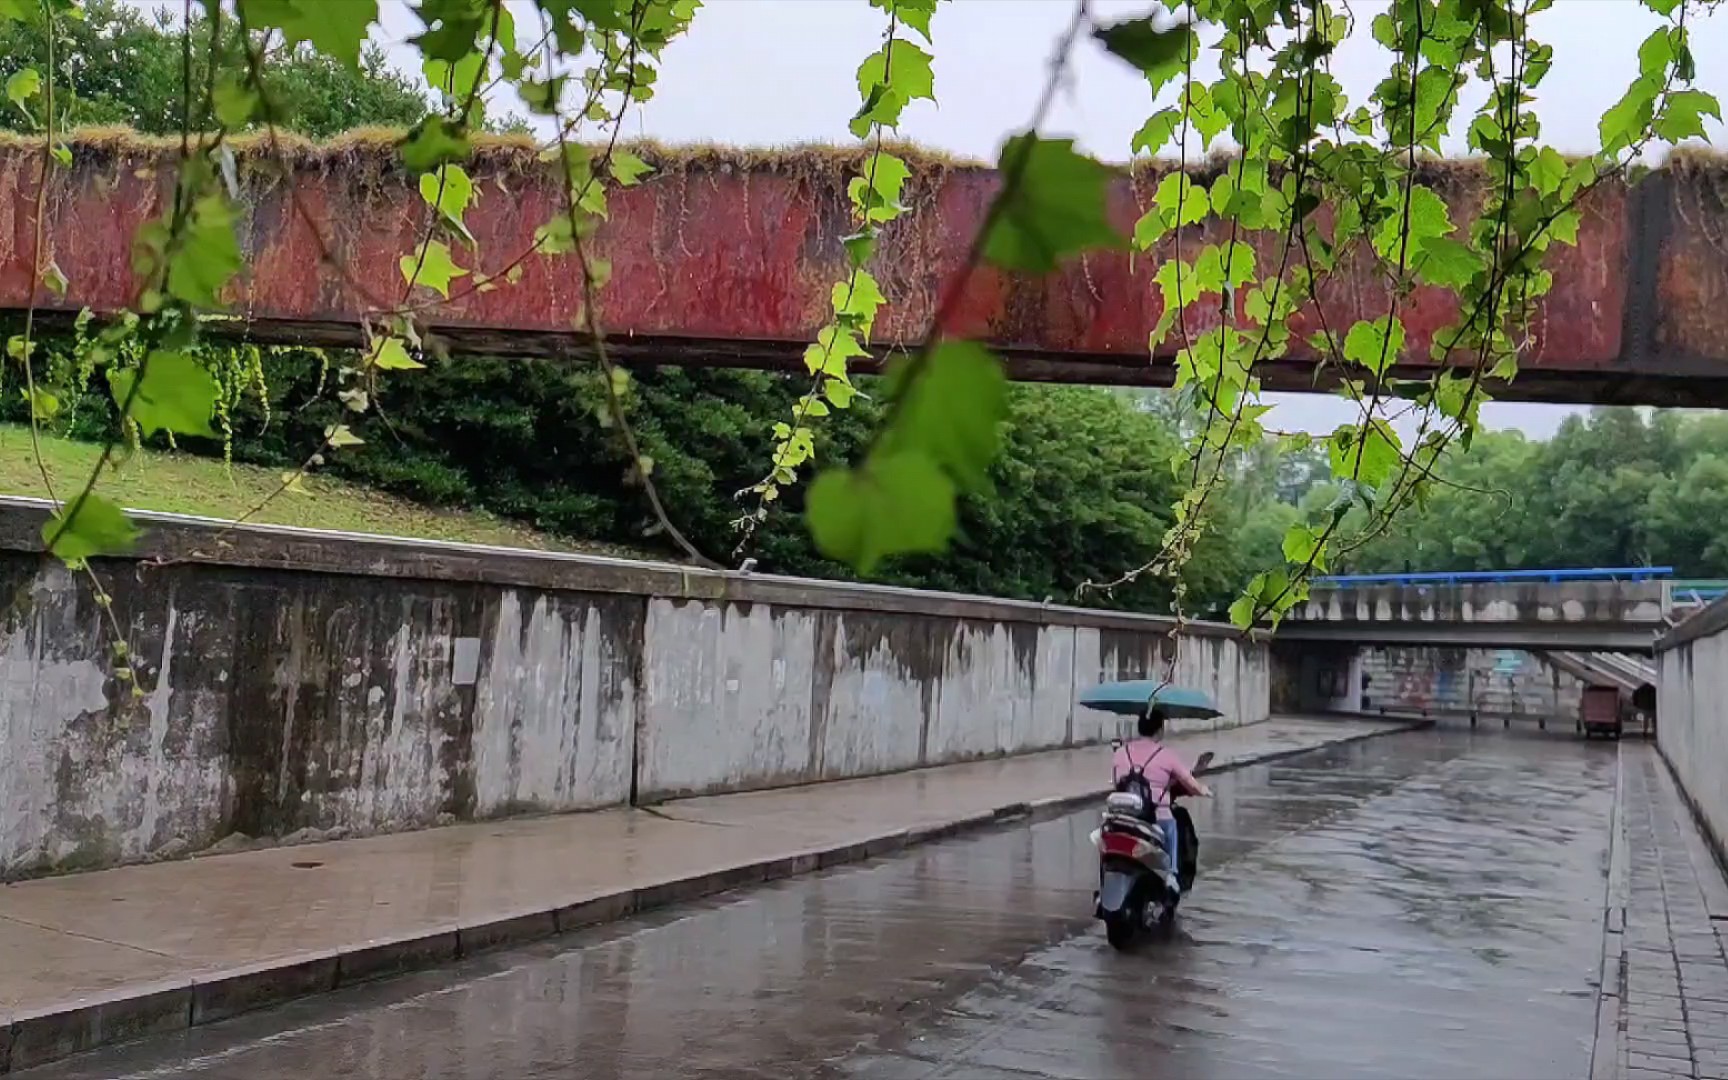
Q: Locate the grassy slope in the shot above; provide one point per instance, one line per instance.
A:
(187, 484)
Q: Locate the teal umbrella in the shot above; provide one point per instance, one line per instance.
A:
(1130, 697)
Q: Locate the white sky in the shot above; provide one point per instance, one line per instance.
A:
(773, 72)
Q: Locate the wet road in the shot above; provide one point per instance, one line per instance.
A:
(1427, 904)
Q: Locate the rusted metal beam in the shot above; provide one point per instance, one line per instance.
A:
(726, 258)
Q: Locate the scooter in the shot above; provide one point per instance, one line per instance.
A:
(1133, 896)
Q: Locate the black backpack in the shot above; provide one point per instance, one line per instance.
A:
(1134, 780)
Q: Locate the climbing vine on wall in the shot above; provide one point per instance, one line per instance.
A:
(1314, 187)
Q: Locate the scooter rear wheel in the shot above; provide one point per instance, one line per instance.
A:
(1123, 928)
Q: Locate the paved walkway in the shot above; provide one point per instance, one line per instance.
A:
(98, 957)
(1668, 1008)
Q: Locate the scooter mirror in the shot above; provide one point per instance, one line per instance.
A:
(1115, 744)
(1205, 760)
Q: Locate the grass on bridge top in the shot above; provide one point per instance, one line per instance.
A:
(189, 484)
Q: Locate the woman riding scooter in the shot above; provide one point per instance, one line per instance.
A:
(1147, 760)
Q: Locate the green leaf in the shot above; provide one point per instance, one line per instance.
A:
(896, 504)
(176, 394)
(1548, 171)
(1683, 115)
(1447, 263)
(1052, 205)
(1155, 134)
(434, 269)
(89, 526)
(875, 193)
(24, 84)
(1149, 229)
(449, 191)
(1182, 200)
(44, 405)
(1564, 227)
(336, 28)
(1375, 345)
(859, 247)
(208, 255)
(1625, 121)
(857, 300)
(1206, 119)
(839, 392)
(236, 102)
(1140, 42)
(950, 408)
(913, 13)
(889, 79)
(1214, 271)
(1304, 546)
(628, 169)
(1656, 54)
(434, 141)
(390, 354)
(834, 346)
(1242, 611)
(1367, 457)
(338, 436)
(1428, 216)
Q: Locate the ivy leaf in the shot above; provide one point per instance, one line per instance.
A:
(1303, 546)
(1683, 115)
(389, 354)
(1149, 229)
(24, 84)
(889, 79)
(1375, 345)
(1242, 611)
(1056, 209)
(857, 300)
(1156, 132)
(1663, 8)
(236, 102)
(44, 405)
(1548, 171)
(1624, 122)
(896, 504)
(950, 409)
(628, 169)
(434, 141)
(1447, 263)
(1214, 272)
(839, 392)
(1367, 457)
(914, 13)
(338, 436)
(1159, 54)
(834, 346)
(1182, 200)
(90, 526)
(176, 394)
(1429, 218)
(875, 193)
(1564, 227)
(436, 269)
(208, 254)
(449, 191)
(336, 28)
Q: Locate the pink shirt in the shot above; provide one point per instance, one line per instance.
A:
(1162, 768)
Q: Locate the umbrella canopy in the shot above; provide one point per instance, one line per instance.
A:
(1130, 697)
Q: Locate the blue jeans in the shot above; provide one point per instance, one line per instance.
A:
(1171, 841)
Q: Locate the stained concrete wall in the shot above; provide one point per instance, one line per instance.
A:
(1582, 615)
(1692, 714)
(296, 682)
(1491, 682)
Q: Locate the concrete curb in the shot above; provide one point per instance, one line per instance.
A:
(37, 1037)
(1605, 1052)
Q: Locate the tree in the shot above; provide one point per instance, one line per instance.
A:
(125, 69)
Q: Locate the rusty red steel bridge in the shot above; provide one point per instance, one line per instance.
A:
(726, 258)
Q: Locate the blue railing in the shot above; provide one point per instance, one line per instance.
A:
(1467, 577)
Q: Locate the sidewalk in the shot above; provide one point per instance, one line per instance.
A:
(1665, 985)
(102, 957)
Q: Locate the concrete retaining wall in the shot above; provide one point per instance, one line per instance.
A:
(1320, 677)
(305, 683)
(1692, 714)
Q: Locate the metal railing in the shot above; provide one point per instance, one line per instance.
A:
(1477, 577)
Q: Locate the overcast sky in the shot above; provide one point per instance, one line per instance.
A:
(774, 72)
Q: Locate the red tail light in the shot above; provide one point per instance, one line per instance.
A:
(1122, 844)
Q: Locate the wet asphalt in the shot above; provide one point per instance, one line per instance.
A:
(1418, 905)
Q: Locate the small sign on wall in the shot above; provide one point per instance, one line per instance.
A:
(465, 661)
